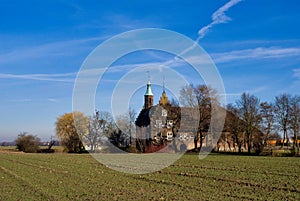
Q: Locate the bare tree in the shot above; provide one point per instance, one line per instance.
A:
(282, 114)
(267, 119)
(235, 126)
(100, 125)
(118, 138)
(123, 135)
(132, 115)
(126, 127)
(187, 96)
(295, 120)
(174, 102)
(205, 97)
(249, 112)
(51, 143)
(199, 97)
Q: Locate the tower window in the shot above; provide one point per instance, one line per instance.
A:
(164, 113)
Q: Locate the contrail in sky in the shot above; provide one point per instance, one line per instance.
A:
(218, 17)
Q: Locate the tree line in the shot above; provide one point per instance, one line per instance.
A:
(250, 123)
(78, 132)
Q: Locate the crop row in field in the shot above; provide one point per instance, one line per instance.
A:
(81, 177)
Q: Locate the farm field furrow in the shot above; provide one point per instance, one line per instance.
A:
(81, 177)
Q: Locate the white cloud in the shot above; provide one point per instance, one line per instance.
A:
(123, 23)
(257, 90)
(232, 97)
(91, 73)
(63, 77)
(233, 94)
(53, 100)
(58, 48)
(218, 17)
(296, 73)
(256, 53)
(146, 66)
(115, 23)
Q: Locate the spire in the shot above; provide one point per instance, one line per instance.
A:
(148, 91)
(164, 98)
(148, 94)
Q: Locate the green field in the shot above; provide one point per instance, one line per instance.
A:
(80, 177)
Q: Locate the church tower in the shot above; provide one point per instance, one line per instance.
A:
(164, 98)
(148, 96)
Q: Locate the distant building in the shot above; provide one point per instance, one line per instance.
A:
(171, 128)
(159, 126)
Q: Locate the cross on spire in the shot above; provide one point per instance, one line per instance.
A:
(163, 82)
(148, 72)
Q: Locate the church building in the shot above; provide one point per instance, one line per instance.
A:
(158, 126)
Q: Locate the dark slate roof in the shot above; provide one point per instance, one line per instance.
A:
(143, 119)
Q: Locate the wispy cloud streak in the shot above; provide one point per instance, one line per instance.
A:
(224, 57)
(64, 77)
(296, 73)
(218, 17)
(55, 49)
(53, 100)
(256, 53)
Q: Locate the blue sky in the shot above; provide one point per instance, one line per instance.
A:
(43, 44)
